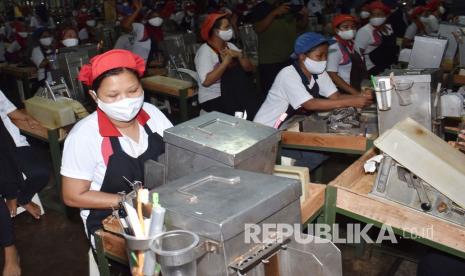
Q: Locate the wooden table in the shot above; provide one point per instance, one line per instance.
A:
(348, 195)
(23, 75)
(171, 87)
(110, 243)
(53, 137)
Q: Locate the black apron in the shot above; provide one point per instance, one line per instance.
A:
(358, 71)
(385, 55)
(121, 164)
(10, 174)
(314, 92)
(237, 90)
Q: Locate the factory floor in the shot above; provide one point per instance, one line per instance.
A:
(56, 245)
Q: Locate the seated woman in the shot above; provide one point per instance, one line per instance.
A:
(305, 85)
(69, 37)
(114, 141)
(26, 159)
(417, 27)
(346, 65)
(225, 83)
(43, 54)
(377, 40)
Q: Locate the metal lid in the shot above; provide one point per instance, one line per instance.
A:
(217, 202)
(221, 137)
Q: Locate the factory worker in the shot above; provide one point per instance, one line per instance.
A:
(364, 15)
(418, 16)
(113, 142)
(69, 37)
(15, 52)
(306, 84)
(43, 55)
(346, 65)
(377, 40)
(36, 171)
(436, 10)
(224, 70)
(42, 18)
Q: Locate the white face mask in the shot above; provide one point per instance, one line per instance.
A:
(70, 42)
(377, 21)
(364, 14)
(84, 10)
(22, 34)
(315, 67)
(123, 110)
(442, 10)
(156, 21)
(46, 41)
(346, 35)
(126, 4)
(226, 35)
(91, 23)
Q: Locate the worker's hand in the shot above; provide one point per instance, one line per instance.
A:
(234, 53)
(12, 205)
(283, 9)
(226, 56)
(360, 101)
(367, 92)
(137, 4)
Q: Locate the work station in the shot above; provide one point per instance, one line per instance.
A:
(232, 137)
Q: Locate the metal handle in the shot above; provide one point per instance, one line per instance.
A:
(202, 126)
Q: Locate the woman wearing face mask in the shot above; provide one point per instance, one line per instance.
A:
(346, 66)
(43, 54)
(364, 15)
(377, 40)
(305, 86)
(437, 12)
(417, 27)
(15, 51)
(225, 84)
(113, 142)
(87, 30)
(69, 37)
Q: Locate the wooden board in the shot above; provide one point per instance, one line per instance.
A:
(19, 72)
(40, 131)
(322, 140)
(352, 196)
(167, 85)
(113, 245)
(314, 203)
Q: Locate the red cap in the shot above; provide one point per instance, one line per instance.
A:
(378, 6)
(208, 24)
(338, 19)
(433, 5)
(110, 60)
(417, 11)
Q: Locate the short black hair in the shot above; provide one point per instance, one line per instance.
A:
(112, 72)
(216, 25)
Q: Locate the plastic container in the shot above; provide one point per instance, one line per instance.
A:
(404, 92)
(176, 251)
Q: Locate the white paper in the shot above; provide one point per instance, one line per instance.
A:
(370, 165)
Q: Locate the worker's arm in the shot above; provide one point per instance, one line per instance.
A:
(265, 23)
(244, 61)
(76, 193)
(126, 24)
(302, 22)
(339, 101)
(20, 115)
(342, 84)
(218, 72)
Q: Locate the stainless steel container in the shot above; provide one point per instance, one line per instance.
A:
(217, 139)
(217, 203)
(423, 94)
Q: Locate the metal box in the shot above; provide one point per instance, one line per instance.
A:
(423, 97)
(218, 202)
(217, 139)
(422, 171)
(427, 52)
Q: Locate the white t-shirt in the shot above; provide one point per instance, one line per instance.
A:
(37, 56)
(411, 31)
(131, 42)
(365, 39)
(6, 107)
(35, 23)
(205, 61)
(335, 58)
(82, 153)
(83, 34)
(288, 90)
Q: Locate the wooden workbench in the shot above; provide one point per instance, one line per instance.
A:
(348, 195)
(171, 87)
